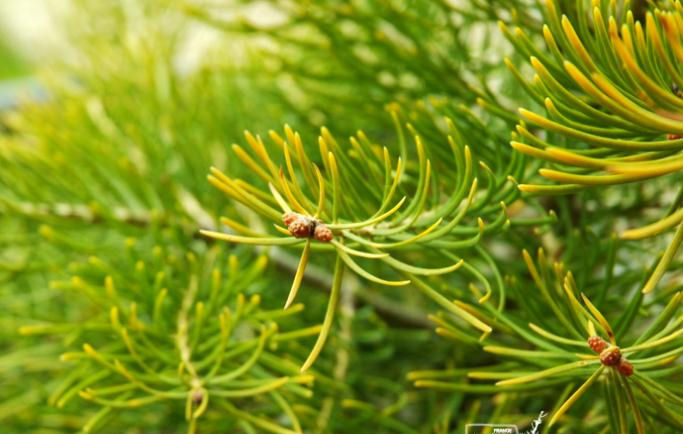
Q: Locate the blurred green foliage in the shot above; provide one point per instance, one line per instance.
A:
(117, 315)
(11, 63)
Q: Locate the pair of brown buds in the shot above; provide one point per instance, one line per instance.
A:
(610, 355)
(301, 226)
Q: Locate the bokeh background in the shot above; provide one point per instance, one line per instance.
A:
(149, 95)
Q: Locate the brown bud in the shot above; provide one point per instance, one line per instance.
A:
(301, 227)
(289, 217)
(322, 233)
(197, 397)
(597, 344)
(625, 367)
(674, 136)
(676, 91)
(610, 356)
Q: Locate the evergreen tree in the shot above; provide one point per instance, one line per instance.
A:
(441, 213)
